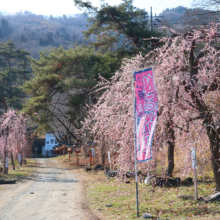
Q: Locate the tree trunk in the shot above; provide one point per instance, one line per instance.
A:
(4, 103)
(214, 147)
(103, 158)
(170, 167)
(102, 153)
(5, 170)
(171, 145)
(86, 150)
(12, 162)
(208, 122)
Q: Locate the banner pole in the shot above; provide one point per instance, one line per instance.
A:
(135, 151)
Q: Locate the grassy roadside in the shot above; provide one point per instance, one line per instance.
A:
(163, 203)
(20, 171)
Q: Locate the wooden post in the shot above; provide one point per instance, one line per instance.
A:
(195, 183)
(77, 160)
(93, 154)
(20, 159)
(109, 160)
(78, 150)
(6, 165)
(194, 166)
(90, 156)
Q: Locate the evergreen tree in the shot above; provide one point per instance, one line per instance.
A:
(12, 75)
(61, 86)
(122, 29)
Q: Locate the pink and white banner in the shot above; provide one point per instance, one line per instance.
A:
(146, 108)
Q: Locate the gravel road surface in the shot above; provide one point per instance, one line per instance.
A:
(53, 193)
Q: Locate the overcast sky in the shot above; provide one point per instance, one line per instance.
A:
(60, 7)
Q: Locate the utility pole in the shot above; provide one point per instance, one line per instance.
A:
(156, 19)
(151, 18)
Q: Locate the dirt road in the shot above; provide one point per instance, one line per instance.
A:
(53, 193)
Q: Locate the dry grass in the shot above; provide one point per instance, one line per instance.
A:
(163, 203)
(20, 171)
(160, 202)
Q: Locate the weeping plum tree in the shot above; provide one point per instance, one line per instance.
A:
(187, 73)
(13, 136)
(189, 66)
(111, 119)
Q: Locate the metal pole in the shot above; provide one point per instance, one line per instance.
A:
(135, 151)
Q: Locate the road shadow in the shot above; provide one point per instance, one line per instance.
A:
(51, 179)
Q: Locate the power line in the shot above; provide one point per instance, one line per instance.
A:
(151, 18)
(158, 5)
(174, 3)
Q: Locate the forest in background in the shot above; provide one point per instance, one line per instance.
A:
(35, 33)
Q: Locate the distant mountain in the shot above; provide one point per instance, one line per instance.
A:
(35, 33)
(188, 17)
(179, 10)
(173, 15)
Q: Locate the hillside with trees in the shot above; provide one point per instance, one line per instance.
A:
(35, 33)
(182, 19)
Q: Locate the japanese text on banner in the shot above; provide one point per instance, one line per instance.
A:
(146, 108)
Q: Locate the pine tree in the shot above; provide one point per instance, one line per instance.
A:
(61, 87)
(12, 75)
(119, 29)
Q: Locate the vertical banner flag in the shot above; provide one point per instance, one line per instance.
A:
(146, 107)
